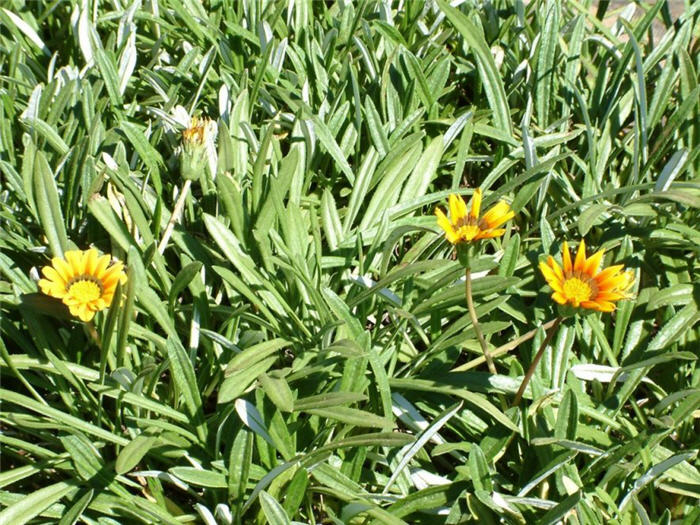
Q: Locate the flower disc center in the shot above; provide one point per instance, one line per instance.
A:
(85, 290)
(468, 230)
(577, 290)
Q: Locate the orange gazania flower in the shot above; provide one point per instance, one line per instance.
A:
(581, 284)
(83, 280)
(463, 226)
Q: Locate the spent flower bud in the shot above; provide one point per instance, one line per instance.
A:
(198, 146)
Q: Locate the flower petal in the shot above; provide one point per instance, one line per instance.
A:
(502, 219)
(605, 306)
(90, 261)
(593, 263)
(555, 267)
(558, 297)
(85, 314)
(613, 282)
(101, 266)
(580, 262)
(63, 268)
(566, 259)
(458, 208)
(591, 305)
(610, 296)
(476, 204)
(52, 275)
(452, 237)
(489, 234)
(51, 289)
(75, 261)
(608, 275)
(497, 215)
(443, 221)
(629, 278)
(548, 273)
(102, 303)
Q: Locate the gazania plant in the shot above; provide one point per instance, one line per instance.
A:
(83, 280)
(462, 229)
(579, 286)
(338, 219)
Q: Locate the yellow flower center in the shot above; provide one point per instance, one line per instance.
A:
(468, 231)
(85, 290)
(577, 290)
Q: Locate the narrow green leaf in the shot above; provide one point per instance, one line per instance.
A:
(48, 205)
(330, 219)
(200, 477)
(556, 514)
(108, 70)
(239, 462)
(182, 279)
(183, 374)
(274, 512)
(653, 473)
(590, 216)
(376, 130)
(254, 354)
(545, 69)
(277, 389)
(479, 469)
(105, 215)
(295, 491)
(73, 514)
(567, 417)
(550, 468)
(149, 155)
(352, 416)
(675, 328)
(49, 133)
(330, 399)
(133, 453)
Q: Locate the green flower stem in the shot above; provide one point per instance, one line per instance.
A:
(475, 321)
(477, 329)
(535, 362)
(177, 210)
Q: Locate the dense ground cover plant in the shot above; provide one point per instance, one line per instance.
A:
(290, 341)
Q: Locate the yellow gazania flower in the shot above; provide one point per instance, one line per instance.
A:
(581, 284)
(463, 226)
(84, 281)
